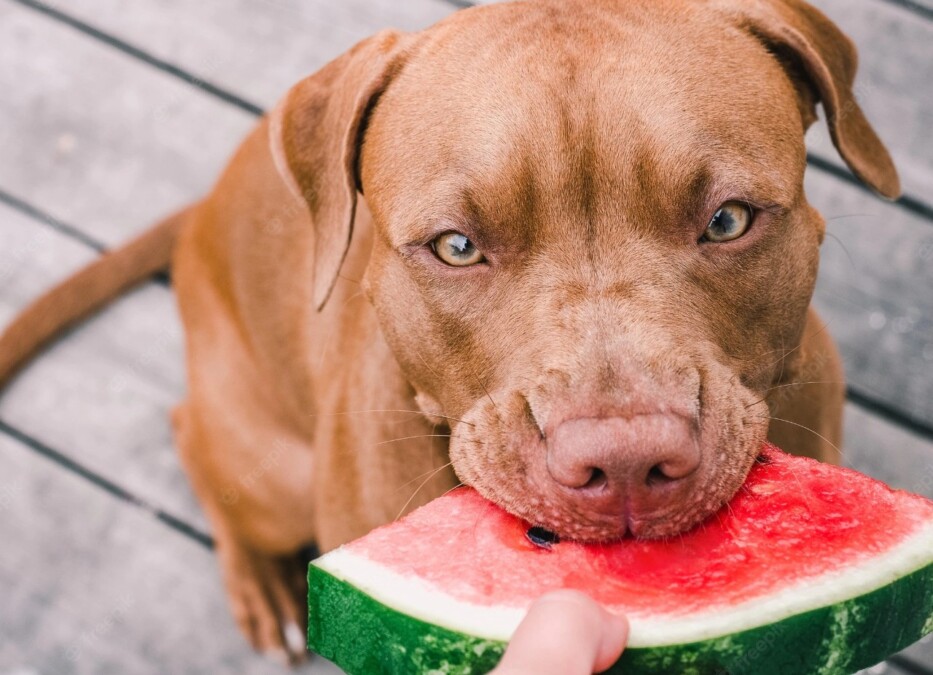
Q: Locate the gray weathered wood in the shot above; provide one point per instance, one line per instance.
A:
(101, 396)
(882, 669)
(887, 452)
(92, 585)
(921, 653)
(255, 48)
(875, 291)
(99, 139)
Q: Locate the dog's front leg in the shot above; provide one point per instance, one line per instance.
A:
(248, 485)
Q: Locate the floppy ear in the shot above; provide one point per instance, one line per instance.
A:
(322, 123)
(794, 30)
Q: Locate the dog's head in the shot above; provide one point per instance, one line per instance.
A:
(593, 249)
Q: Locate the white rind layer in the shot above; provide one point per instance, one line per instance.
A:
(424, 601)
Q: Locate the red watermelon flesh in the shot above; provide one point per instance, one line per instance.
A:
(799, 535)
(768, 535)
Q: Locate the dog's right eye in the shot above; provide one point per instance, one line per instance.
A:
(730, 222)
(456, 250)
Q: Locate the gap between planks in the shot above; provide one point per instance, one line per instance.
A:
(918, 8)
(99, 481)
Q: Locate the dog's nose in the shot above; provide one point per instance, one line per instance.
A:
(638, 458)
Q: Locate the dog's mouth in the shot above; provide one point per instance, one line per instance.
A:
(552, 522)
(505, 457)
(546, 539)
(549, 525)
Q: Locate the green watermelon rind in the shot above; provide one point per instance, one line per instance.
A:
(366, 637)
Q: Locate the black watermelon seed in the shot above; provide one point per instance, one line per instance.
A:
(762, 459)
(541, 537)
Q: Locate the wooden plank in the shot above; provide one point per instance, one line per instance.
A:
(887, 452)
(874, 291)
(93, 585)
(922, 8)
(98, 139)
(882, 669)
(277, 41)
(921, 653)
(102, 396)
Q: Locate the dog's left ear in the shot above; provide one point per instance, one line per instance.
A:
(797, 32)
(321, 124)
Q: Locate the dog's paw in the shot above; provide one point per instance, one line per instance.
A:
(267, 597)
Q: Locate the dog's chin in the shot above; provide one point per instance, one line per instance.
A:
(502, 462)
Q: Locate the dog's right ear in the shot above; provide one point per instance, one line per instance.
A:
(320, 125)
(828, 59)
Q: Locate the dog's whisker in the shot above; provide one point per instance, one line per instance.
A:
(435, 373)
(420, 487)
(851, 215)
(420, 476)
(409, 438)
(796, 476)
(848, 300)
(458, 485)
(488, 395)
(428, 365)
(391, 410)
(843, 247)
(783, 358)
(352, 298)
(730, 510)
(783, 361)
(806, 428)
(798, 384)
(791, 384)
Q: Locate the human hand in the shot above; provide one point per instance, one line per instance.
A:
(564, 633)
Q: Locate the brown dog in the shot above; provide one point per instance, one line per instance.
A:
(583, 262)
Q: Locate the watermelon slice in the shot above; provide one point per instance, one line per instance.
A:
(810, 569)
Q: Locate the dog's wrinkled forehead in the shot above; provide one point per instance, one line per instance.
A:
(569, 109)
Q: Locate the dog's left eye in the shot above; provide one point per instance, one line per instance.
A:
(730, 222)
(456, 249)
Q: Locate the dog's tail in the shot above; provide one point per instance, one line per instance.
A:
(87, 291)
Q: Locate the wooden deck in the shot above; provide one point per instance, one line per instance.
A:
(114, 114)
